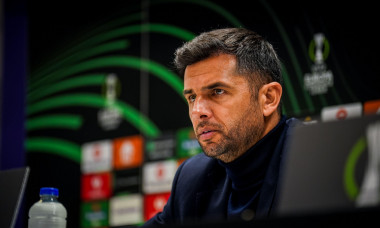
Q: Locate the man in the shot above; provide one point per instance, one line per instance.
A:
(232, 82)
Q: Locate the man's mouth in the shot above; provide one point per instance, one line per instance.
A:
(206, 130)
(206, 134)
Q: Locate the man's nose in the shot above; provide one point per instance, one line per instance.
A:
(201, 109)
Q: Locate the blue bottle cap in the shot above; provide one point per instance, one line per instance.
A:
(49, 191)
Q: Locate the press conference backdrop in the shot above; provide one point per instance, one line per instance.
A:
(106, 122)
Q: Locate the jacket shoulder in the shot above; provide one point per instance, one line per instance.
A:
(196, 167)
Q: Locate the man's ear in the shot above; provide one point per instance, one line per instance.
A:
(269, 97)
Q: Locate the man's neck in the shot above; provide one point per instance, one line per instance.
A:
(270, 122)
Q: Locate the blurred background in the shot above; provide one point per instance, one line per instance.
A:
(91, 103)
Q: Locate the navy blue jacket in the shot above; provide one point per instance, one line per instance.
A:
(202, 186)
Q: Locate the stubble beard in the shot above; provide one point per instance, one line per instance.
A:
(242, 135)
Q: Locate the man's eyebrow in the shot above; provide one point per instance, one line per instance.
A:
(187, 91)
(215, 85)
(208, 87)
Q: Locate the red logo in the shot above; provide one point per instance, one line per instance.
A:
(96, 186)
(97, 152)
(160, 171)
(341, 114)
(154, 203)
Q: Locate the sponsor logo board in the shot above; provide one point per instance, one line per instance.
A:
(126, 210)
(341, 112)
(187, 144)
(128, 180)
(96, 186)
(94, 214)
(97, 156)
(158, 176)
(371, 107)
(128, 152)
(154, 203)
(160, 148)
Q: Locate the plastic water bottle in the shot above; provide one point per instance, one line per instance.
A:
(47, 212)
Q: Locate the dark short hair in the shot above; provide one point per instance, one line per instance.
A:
(255, 56)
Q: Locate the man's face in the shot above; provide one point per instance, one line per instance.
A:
(227, 120)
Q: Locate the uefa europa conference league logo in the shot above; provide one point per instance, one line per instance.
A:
(369, 192)
(109, 117)
(320, 79)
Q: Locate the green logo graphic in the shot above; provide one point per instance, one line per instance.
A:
(315, 49)
(94, 214)
(349, 183)
(187, 144)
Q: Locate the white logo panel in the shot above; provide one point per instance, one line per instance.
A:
(341, 112)
(158, 176)
(126, 210)
(97, 156)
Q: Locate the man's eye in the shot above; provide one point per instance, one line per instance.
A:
(191, 98)
(219, 91)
